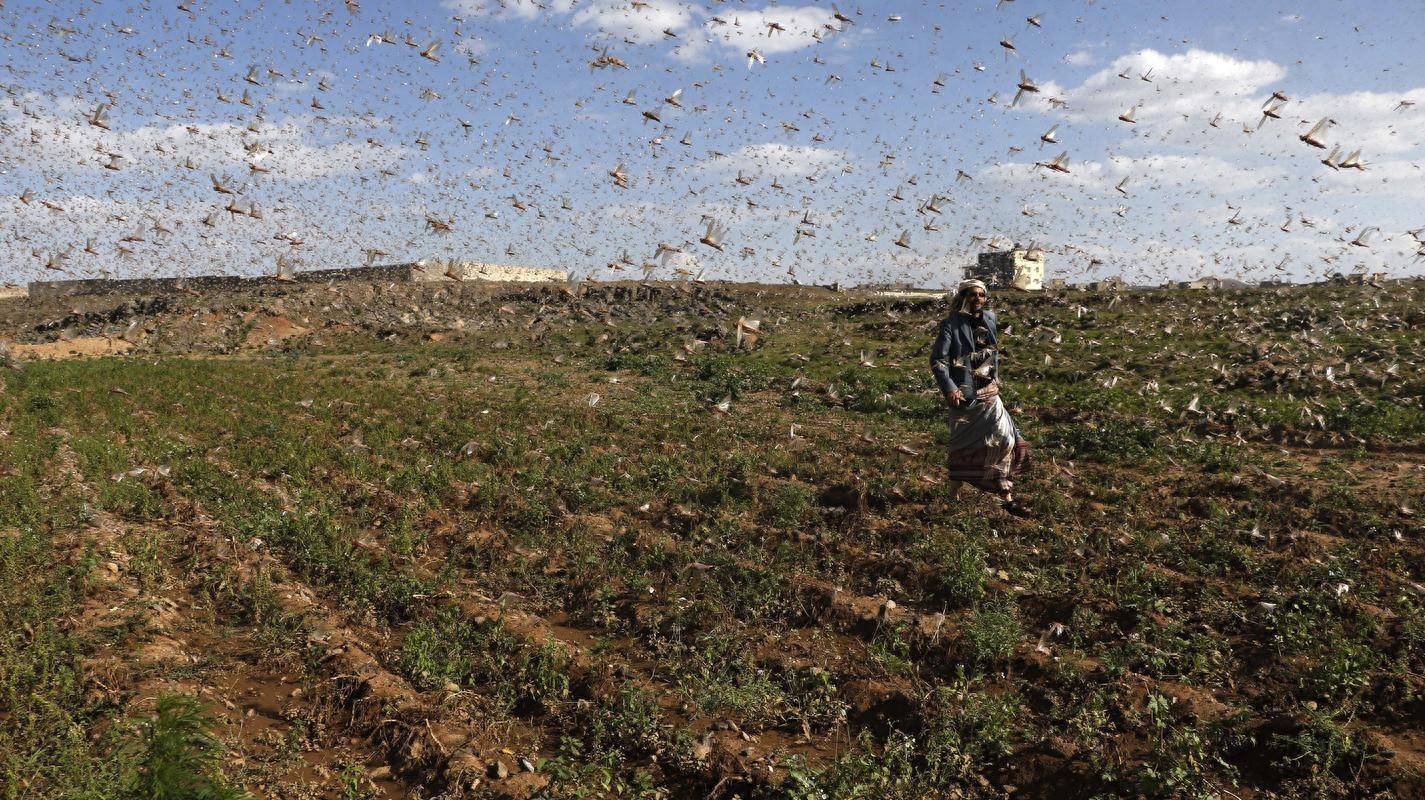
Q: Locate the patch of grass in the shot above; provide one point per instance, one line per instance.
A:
(722, 375)
(485, 654)
(992, 633)
(1110, 440)
(959, 576)
(791, 503)
(179, 757)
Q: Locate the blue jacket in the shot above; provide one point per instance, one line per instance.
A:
(955, 342)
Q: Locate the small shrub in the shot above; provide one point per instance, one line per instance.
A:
(991, 635)
(1341, 671)
(724, 375)
(960, 572)
(791, 502)
(1183, 763)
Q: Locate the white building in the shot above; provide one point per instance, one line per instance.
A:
(458, 270)
(1020, 268)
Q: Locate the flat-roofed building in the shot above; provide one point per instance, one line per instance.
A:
(1018, 268)
(462, 270)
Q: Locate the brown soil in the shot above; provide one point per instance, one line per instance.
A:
(79, 347)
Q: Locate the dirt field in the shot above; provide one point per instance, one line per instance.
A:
(458, 541)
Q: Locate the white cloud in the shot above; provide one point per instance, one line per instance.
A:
(643, 24)
(286, 151)
(1394, 179)
(747, 30)
(521, 9)
(1214, 174)
(1081, 58)
(1023, 174)
(1159, 173)
(1190, 83)
(472, 47)
(1373, 121)
(773, 29)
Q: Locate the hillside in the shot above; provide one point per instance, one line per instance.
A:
(417, 541)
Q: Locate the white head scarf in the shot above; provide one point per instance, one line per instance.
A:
(959, 299)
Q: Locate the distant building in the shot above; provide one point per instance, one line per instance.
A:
(1376, 279)
(1020, 268)
(456, 270)
(1214, 283)
(1113, 283)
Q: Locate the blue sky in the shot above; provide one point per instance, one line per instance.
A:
(511, 136)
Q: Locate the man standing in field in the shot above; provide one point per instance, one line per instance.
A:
(986, 449)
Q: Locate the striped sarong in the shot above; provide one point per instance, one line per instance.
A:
(986, 449)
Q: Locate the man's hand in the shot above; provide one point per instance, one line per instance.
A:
(988, 391)
(955, 398)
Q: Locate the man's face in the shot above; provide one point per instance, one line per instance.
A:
(975, 300)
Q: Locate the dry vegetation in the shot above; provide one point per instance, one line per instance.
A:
(362, 542)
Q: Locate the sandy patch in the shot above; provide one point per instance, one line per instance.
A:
(73, 348)
(268, 330)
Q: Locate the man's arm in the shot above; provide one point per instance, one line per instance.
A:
(940, 364)
(940, 359)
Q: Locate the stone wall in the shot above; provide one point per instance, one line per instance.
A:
(42, 289)
(398, 273)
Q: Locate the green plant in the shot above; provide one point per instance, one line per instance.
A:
(960, 572)
(1319, 753)
(791, 503)
(354, 783)
(1341, 670)
(1182, 764)
(180, 758)
(891, 647)
(992, 633)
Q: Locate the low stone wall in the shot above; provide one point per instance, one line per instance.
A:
(398, 273)
(42, 289)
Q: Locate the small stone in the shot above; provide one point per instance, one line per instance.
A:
(527, 765)
(497, 770)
